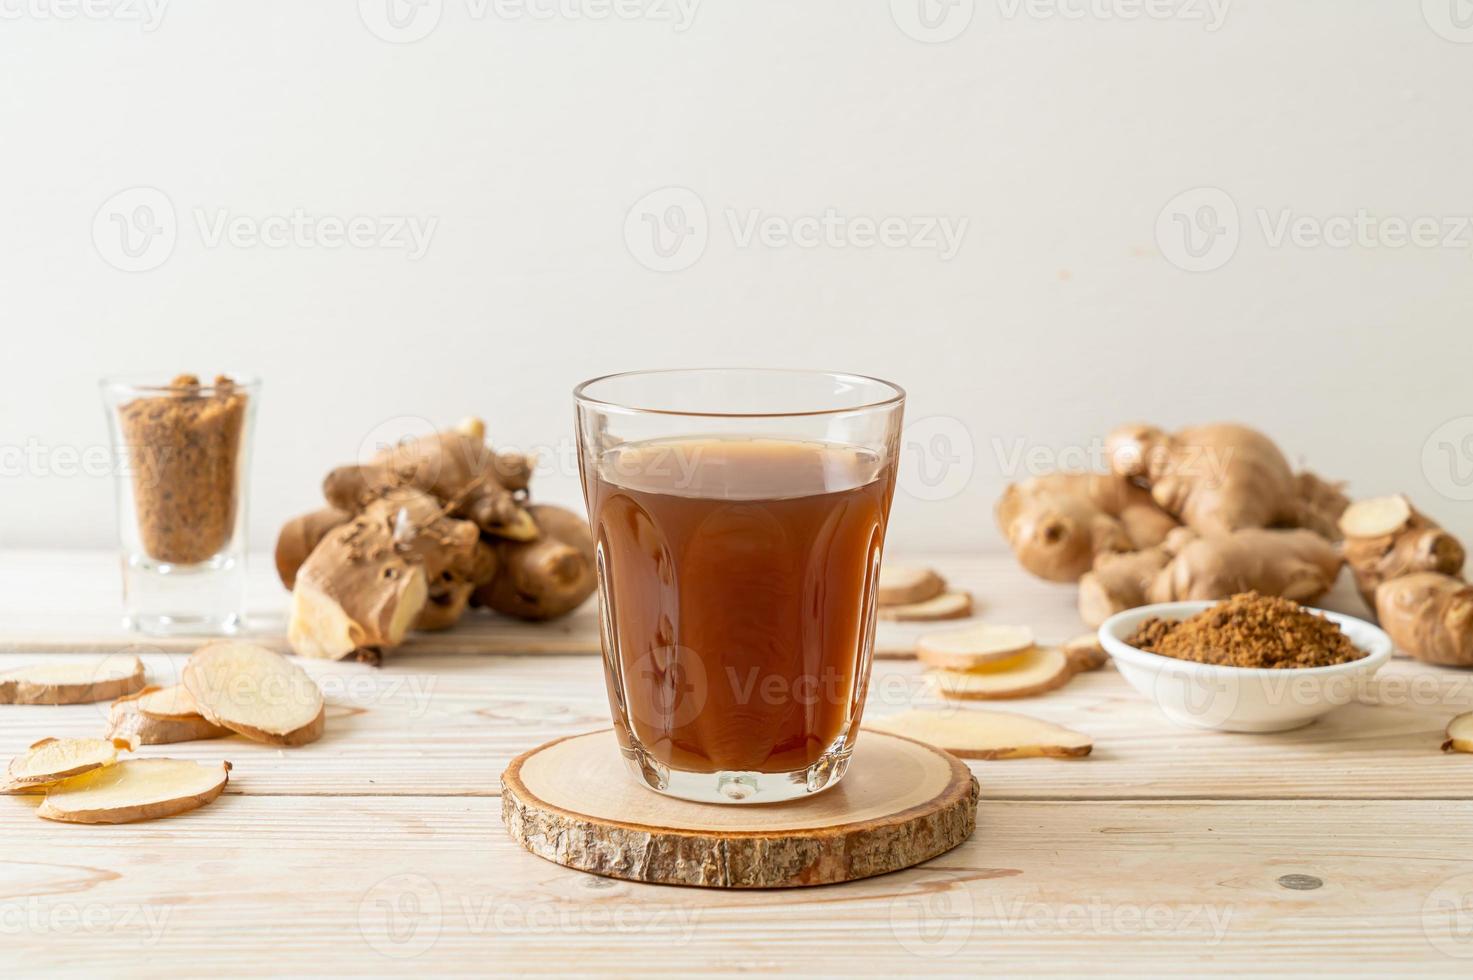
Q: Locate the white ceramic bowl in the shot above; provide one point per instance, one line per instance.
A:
(1240, 699)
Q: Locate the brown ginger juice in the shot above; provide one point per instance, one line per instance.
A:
(738, 580)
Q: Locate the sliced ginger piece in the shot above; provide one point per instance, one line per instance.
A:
(54, 759)
(973, 647)
(1032, 672)
(976, 734)
(1460, 734)
(949, 605)
(125, 720)
(256, 692)
(169, 703)
(73, 681)
(902, 585)
(134, 789)
(1085, 652)
(1376, 517)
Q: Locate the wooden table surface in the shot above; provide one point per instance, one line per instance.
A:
(1346, 846)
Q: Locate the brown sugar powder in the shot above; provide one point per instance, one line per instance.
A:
(1249, 630)
(184, 447)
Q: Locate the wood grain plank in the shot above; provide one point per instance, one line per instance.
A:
(448, 725)
(72, 601)
(394, 885)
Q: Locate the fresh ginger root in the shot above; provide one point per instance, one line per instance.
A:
(546, 577)
(300, 535)
(1386, 538)
(1221, 478)
(1057, 523)
(456, 467)
(1429, 615)
(425, 530)
(1120, 581)
(367, 581)
(1294, 563)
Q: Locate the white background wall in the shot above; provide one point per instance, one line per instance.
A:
(1058, 131)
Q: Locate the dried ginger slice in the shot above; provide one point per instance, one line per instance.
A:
(977, 734)
(1459, 734)
(255, 692)
(973, 647)
(169, 703)
(902, 585)
(73, 681)
(135, 789)
(1085, 652)
(1035, 671)
(54, 759)
(125, 720)
(949, 605)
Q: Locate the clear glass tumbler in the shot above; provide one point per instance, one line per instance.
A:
(739, 517)
(182, 449)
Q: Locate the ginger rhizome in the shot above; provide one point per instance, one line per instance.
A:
(1210, 511)
(1057, 523)
(419, 534)
(1202, 513)
(1222, 478)
(1409, 570)
(1429, 616)
(1386, 538)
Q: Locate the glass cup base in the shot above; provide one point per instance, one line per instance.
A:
(731, 786)
(163, 599)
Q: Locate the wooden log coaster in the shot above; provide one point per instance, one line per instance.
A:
(572, 802)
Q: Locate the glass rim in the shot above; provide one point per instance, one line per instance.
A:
(147, 383)
(580, 393)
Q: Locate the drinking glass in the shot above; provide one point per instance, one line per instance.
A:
(183, 453)
(739, 518)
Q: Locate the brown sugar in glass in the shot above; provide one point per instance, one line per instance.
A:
(182, 449)
(738, 555)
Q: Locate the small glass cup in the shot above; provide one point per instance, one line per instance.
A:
(183, 455)
(739, 518)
